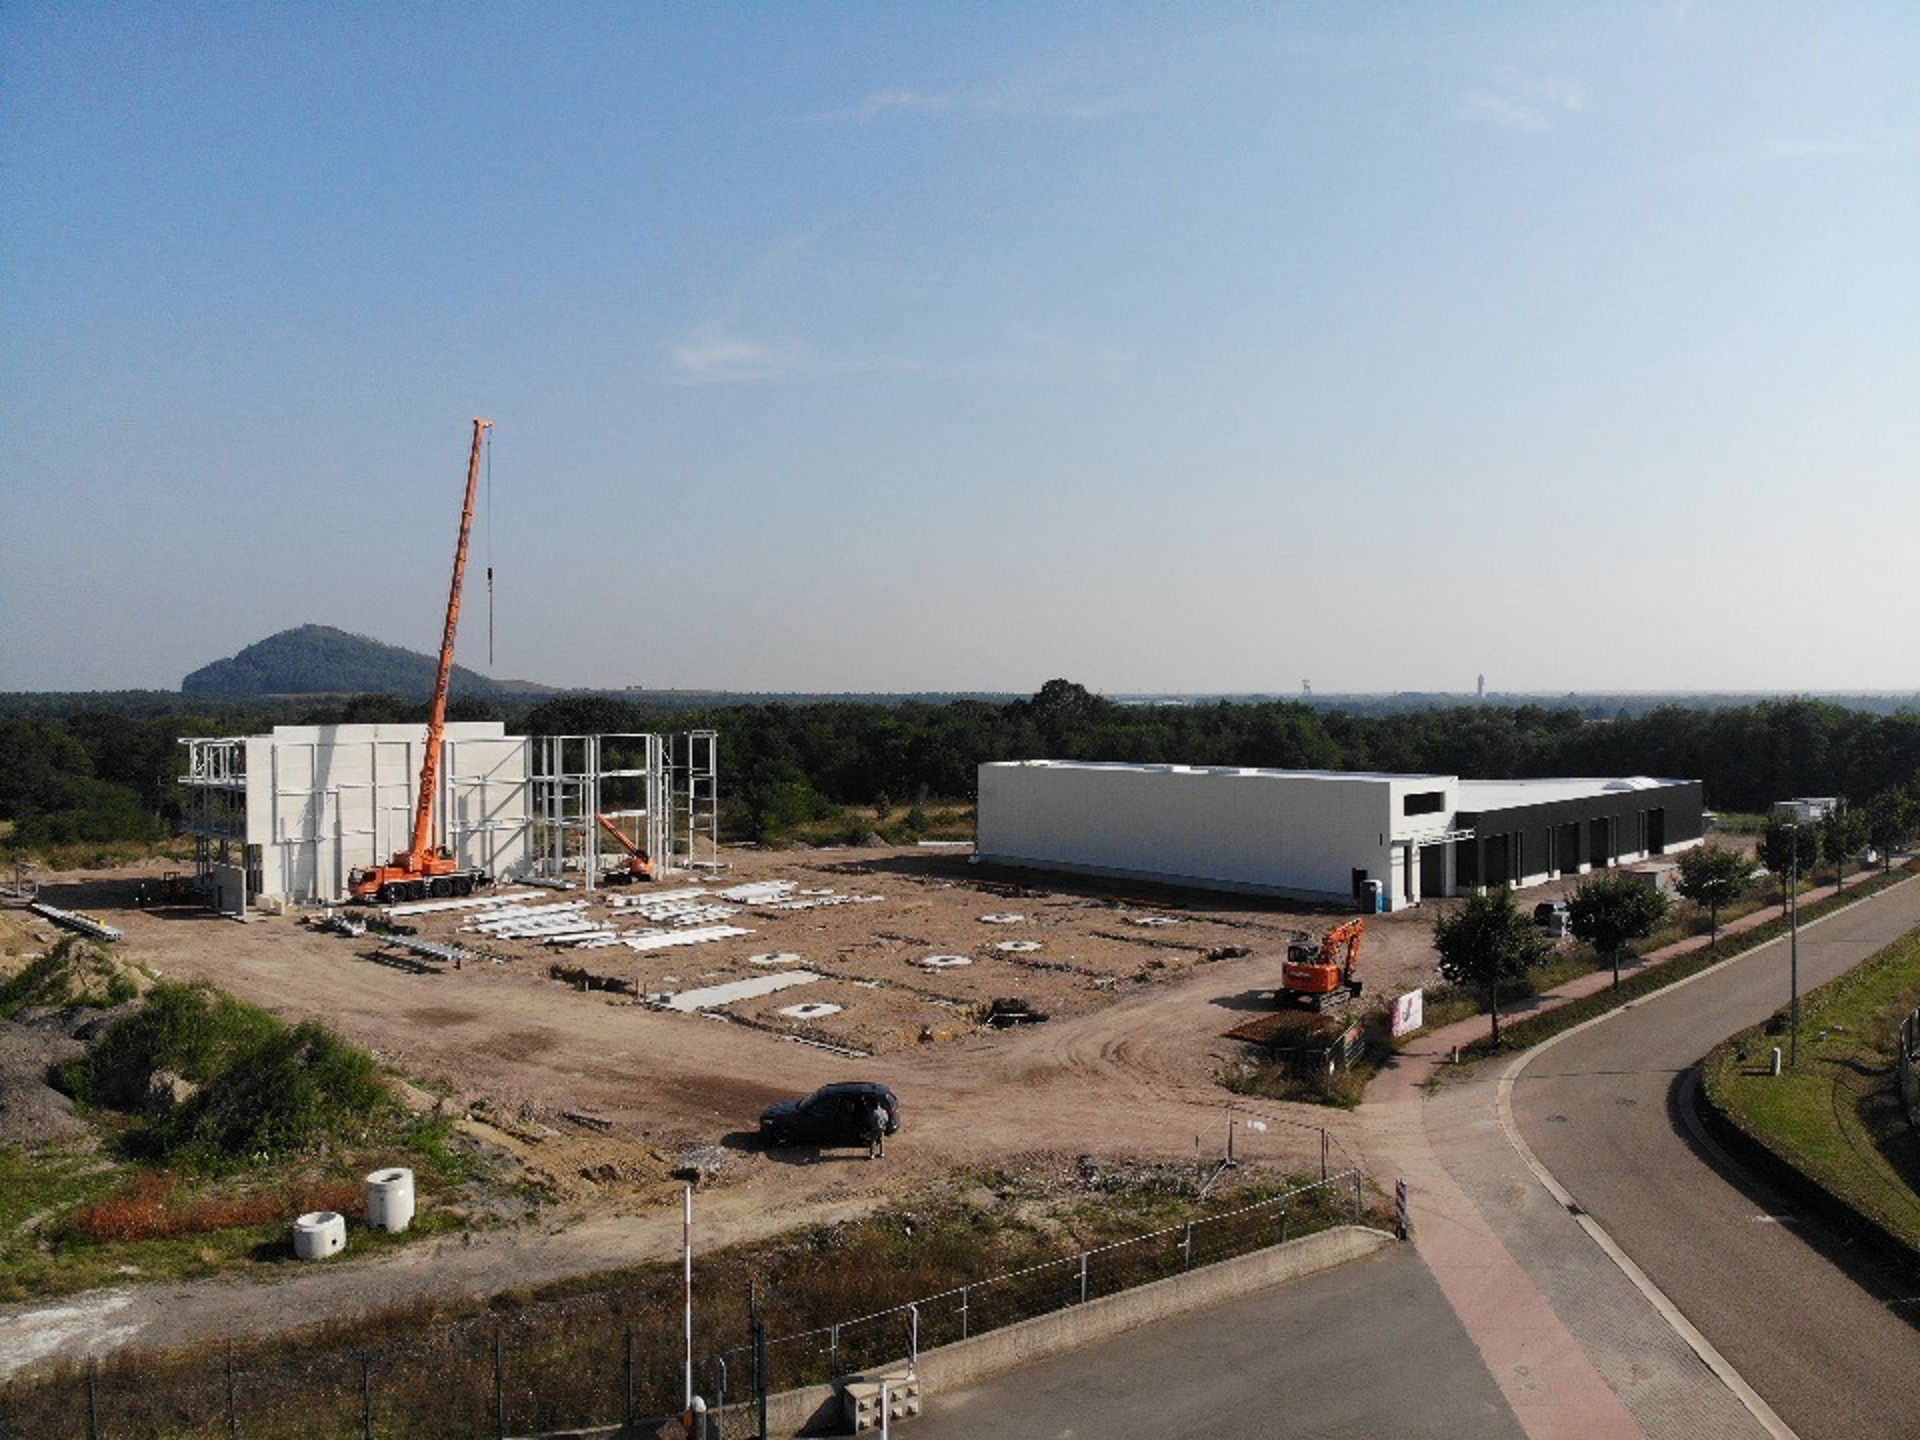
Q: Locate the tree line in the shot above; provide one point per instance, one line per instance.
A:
(98, 771)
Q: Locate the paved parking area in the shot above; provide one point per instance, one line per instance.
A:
(1367, 1348)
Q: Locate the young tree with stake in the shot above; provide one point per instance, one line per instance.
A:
(1713, 876)
(1787, 848)
(1843, 830)
(1892, 818)
(1487, 943)
(1609, 912)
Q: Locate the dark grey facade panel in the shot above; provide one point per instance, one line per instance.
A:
(1541, 833)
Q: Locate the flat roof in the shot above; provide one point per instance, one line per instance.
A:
(1139, 769)
(1479, 795)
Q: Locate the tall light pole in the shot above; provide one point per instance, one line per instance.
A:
(1793, 947)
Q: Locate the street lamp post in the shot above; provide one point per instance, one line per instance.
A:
(1793, 948)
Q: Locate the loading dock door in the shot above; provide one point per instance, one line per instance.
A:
(1656, 831)
(1499, 859)
(1600, 846)
(1568, 856)
(1433, 870)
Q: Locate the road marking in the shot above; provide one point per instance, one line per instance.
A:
(1683, 1327)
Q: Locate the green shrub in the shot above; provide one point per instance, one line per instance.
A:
(303, 1088)
(195, 1031)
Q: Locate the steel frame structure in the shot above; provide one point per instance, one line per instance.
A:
(662, 789)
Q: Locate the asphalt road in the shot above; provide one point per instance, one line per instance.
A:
(1367, 1348)
(1831, 1341)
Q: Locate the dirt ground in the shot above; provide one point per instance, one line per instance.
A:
(598, 1098)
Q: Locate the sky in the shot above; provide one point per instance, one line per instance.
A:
(959, 346)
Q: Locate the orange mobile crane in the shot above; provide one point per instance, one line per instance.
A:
(637, 865)
(424, 869)
(1321, 976)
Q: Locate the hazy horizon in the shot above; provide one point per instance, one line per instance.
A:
(837, 348)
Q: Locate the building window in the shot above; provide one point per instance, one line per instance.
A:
(1424, 802)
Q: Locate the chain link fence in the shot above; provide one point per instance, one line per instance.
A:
(606, 1358)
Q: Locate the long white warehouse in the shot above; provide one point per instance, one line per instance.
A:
(1331, 837)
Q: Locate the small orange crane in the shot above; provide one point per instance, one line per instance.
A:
(1321, 976)
(424, 869)
(637, 865)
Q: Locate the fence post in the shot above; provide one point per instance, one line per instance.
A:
(233, 1414)
(499, 1385)
(913, 1336)
(1283, 1224)
(93, 1400)
(1323, 1153)
(1186, 1248)
(833, 1351)
(720, 1400)
(366, 1398)
(760, 1371)
(963, 1310)
(627, 1416)
(1083, 1277)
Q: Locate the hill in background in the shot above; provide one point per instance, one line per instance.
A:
(320, 660)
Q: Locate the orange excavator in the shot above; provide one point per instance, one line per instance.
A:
(424, 869)
(1320, 976)
(637, 865)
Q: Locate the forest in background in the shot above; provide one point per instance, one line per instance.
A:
(98, 769)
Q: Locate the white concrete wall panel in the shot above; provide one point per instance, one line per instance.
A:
(322, 800)
(1292, 834)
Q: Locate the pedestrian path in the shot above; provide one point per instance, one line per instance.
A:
(1525, 1281)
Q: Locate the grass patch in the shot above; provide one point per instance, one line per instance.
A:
(74, 972)
(219, 1124)
(1837, 1118)
(211, 1083)
(431, 1368)
(1526, 1031)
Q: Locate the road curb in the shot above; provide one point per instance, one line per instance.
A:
(1681, 1326)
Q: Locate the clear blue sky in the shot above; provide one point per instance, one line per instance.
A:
(961, 346)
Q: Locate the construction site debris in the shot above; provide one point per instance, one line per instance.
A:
(74, 920)
(1007, 1011)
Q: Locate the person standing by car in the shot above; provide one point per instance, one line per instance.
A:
(876, 1129)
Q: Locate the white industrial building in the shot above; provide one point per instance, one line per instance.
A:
(290, 814)
(1333, 837)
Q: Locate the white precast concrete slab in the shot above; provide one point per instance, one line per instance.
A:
(709, 997)
(810, 1012)
(1003, 917)
(775, 957)
(471, 902)
(1018, 947)
(945, 962)
(667, 939)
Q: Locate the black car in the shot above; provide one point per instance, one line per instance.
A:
(832, 1115)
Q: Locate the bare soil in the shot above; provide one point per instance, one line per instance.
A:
(596, 1099)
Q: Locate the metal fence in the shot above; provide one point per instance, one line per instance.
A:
(900, 1332)
(1907, 1067)
(603, 1359)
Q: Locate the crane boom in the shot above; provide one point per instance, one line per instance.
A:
(437, 716)
(422, 870)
